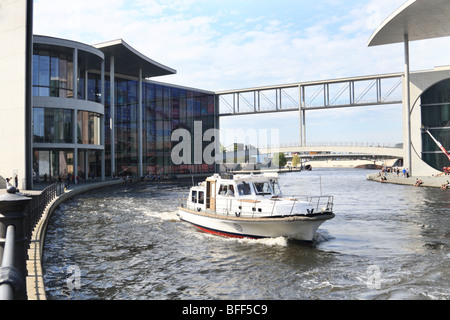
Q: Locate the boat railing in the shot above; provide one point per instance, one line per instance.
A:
(318, 204)
(322, 203)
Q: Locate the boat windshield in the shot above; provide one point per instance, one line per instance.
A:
(276, 188)
(263, 188)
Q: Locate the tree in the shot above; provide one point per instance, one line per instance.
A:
(295, 160)
(279, 160)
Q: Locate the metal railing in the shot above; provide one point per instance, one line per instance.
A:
(11, 284)
(38, 205)
(19, 214)
(250, 207)
(325, 203)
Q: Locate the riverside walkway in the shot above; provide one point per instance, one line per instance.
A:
(34, 280)
(432, 182)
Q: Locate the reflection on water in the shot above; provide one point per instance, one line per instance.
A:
(128, 243)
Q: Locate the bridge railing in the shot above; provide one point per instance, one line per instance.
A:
(339, 93)
(337, 144)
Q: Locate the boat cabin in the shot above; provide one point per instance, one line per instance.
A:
(224, 189)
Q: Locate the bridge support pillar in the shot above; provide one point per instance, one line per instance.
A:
(302, 113)
(407, 107)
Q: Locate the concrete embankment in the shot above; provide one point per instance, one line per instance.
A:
(348, 163)
(35, 280)
(433, 182)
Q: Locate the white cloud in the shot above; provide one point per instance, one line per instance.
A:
(214, 45)
(208, 53)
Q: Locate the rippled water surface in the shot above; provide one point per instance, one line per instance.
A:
(127, 243)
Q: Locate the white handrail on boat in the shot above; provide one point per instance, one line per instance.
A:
(318, 204)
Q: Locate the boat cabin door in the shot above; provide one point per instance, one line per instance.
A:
(211, 195)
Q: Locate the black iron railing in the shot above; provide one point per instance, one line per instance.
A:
(38, 205)
(19, 215)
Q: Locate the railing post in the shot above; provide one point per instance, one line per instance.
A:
(12, 213)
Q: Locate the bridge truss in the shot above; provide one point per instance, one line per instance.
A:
(316, 95)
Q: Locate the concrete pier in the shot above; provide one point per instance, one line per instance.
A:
(432, 182)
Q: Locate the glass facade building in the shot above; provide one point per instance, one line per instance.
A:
(164, 109)
(435, 108)
(108, 129)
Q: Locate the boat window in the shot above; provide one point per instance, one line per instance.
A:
(226, 190)
(194, 196)
(201, 197)
(244, 189)
(263, 188)
(223, 190)
(230, 191)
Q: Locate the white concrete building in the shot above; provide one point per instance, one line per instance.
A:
(426, 95)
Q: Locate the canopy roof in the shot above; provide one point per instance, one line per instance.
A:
(128, 61)
(419, 19)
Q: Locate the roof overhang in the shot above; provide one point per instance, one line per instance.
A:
(90, 57)
(128, 61)
(419, 19)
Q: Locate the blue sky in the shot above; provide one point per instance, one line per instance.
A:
(229, 44)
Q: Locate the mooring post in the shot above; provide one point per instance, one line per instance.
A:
(13, 208)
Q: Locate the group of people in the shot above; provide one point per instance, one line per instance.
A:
(445, 186)
(147, 177)
(152, 177)
(404, 171)
(394, 171)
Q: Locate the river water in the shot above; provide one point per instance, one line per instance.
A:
(127, 243)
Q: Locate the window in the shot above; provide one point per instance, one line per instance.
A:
(194, 196)
(94, 88)
(263, 188)
(88, 128)
(435, 107)
(244, 189)
(52, 125)
(276, 188)
(52, 74)
(38, 125)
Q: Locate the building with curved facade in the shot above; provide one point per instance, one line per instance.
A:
(425, 94)
(96, 114)
(68, 113)
(435, 109)
(430, 107)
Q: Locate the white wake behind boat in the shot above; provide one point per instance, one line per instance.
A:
(252, 206)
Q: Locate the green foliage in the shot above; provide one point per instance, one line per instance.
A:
(295, 160)
(279, 160)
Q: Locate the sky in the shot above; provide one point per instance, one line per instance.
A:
(234, 44)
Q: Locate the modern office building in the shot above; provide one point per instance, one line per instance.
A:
(72, 109)
(97, 114)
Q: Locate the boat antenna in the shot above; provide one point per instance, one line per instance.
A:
(281, 188)
(192, 177)
(320, 182)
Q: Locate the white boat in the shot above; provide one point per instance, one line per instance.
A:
(252, 206)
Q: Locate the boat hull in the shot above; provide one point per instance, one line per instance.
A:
(296, 227)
